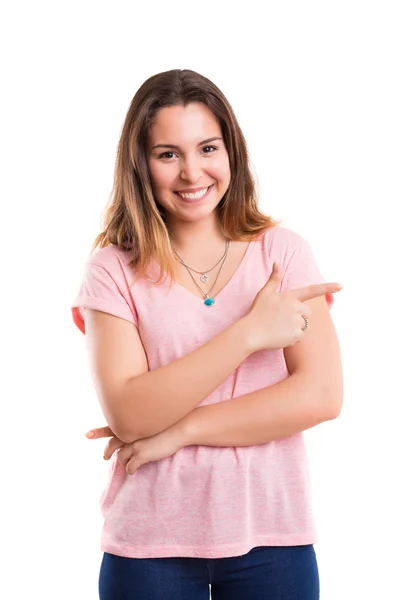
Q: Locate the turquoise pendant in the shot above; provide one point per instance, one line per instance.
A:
(209, 301)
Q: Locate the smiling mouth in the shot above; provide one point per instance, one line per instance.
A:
(194, 195)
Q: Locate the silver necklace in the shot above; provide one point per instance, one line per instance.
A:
(204, 277)
(208, 299)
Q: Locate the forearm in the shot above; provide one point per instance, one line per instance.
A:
(281, 410)
(154, 401)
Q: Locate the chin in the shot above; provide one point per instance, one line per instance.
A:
(196, 213)
(194, 218)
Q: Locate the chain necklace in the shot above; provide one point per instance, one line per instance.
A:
(204, 277)
(208, 300)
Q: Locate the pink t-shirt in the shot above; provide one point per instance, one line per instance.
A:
(205, 501)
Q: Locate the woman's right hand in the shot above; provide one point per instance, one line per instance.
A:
(275, 320)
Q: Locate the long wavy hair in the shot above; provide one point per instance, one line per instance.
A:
(134, 220)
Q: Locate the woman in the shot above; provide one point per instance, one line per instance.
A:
(212, 349)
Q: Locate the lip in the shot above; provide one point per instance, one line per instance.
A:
(193, 191)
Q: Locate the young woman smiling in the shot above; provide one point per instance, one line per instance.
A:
(212, 349)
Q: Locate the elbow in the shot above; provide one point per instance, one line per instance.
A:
(121, 431)
(127, 422)
(335, 409)
(136, 416)
(333, 402)
(129, 434)
(129, 430)
(131, 421)
(121, 427)
(325, 403)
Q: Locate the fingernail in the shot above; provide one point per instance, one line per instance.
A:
(89, 434)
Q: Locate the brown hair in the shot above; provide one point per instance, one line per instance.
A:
(134, 220)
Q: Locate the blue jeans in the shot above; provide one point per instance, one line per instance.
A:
(265, 573)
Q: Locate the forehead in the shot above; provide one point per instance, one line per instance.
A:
(184, 124)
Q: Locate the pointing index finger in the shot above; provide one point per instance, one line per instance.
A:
(314, 291)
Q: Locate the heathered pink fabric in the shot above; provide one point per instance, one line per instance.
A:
(205, 501)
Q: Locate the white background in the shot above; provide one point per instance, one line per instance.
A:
(315, 86)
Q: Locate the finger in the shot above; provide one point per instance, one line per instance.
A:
(274, 279)
(125, 454)
(111, 447)
(133, 465)
(304, 310)
(314, 291)
(100, 432)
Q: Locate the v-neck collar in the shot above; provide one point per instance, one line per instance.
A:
(229, 284)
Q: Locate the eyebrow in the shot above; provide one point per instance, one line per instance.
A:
(213, 139)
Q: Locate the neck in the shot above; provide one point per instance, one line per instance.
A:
(191, 236)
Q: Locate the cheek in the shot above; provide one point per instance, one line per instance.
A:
(222, 171)
(160, 177)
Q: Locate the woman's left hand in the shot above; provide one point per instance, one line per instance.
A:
(138, 453)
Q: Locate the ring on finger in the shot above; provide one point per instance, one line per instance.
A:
(306, 323)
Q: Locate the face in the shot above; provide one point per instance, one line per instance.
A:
(188, 162)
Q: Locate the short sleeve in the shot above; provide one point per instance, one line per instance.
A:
(301, 268)
(102, 291)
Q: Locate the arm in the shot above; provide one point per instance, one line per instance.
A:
(138, 403)
(310, 395)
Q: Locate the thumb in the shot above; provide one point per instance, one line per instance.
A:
(274, 279)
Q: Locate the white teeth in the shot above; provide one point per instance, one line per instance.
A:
(198, 194)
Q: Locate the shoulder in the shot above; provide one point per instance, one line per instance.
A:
(113, 260)
(292, 252)
(282, 236)
(110, 256)
(281, 242)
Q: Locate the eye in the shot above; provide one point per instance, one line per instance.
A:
(168, 154)
(210, 149)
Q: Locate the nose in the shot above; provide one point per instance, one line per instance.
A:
(191, 170)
